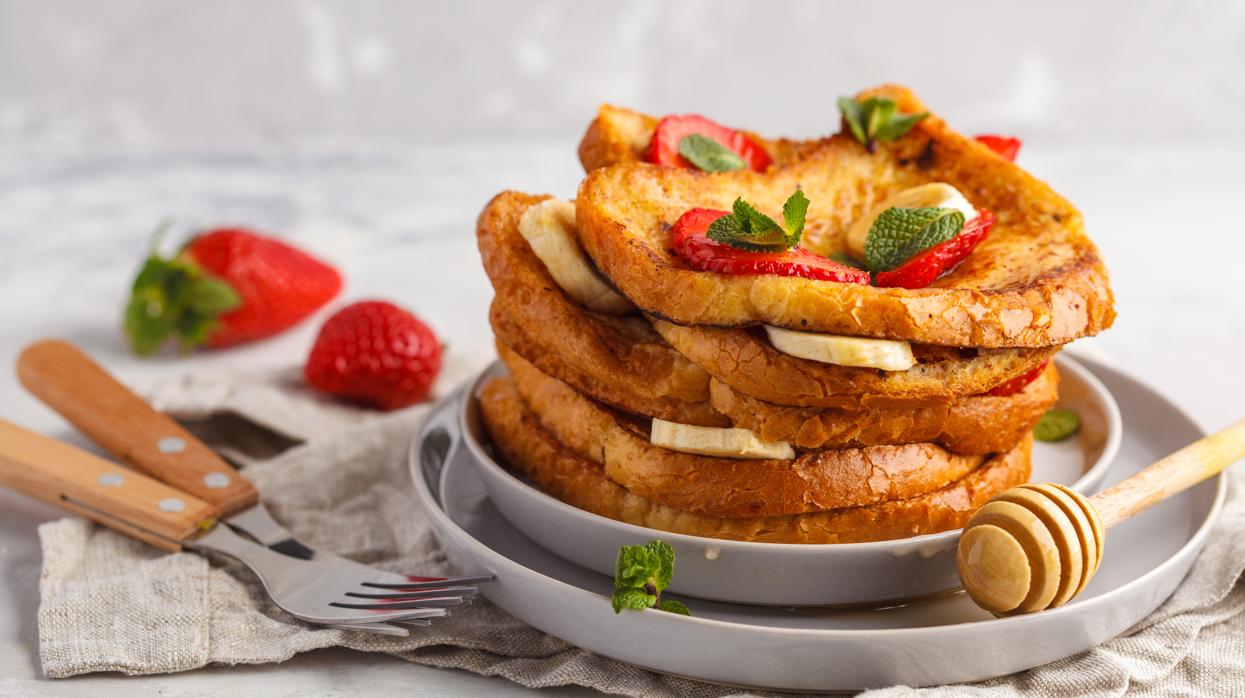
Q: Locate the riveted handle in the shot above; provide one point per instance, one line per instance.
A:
(100, 490)
(65, 378)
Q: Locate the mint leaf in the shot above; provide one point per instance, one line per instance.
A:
(897, 126)
(635, 567)
(794, 211)
(1057, 424)
(876, 119)
(746, 228)
(854, 114)
(664, 555)
(899, 233)
(632, 598)
(642, 572)
(672, 606)
(708, 154)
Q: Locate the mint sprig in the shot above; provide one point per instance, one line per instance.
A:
(746, 228)
(876, 119)
(642, 573)
(897, 234)
(708, 154)
(1057, 424)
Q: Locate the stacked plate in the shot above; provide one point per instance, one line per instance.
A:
(814, 617)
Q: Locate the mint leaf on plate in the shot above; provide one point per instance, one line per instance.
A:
(708, 154)
(899, 233)
(1057, 424)
(641, 574)
(672, 606)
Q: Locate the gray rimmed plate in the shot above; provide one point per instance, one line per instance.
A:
(932, 641)
(787, 574)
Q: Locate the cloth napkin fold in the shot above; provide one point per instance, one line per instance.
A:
(338, 478)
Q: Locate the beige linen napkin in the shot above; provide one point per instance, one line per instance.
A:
(337, 477)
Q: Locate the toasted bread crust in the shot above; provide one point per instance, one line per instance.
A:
(734, 488)
(621, 135)
(978, 424)
(1036, 281)
(746, 361)
(618, 360)
(527, 447)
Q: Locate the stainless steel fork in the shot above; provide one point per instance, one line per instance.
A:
(171, 520)
(123, 423)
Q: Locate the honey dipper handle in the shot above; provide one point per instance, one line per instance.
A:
(1182, 469)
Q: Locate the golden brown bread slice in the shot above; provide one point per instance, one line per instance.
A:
(971, 425)
(621, 360)
(1036, 280)
(726, 487)
(618, 360)
(622, 135)
(526, 446)
(745, 360)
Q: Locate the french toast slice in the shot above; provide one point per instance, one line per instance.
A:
(525, 446)
(745, 360)
(727, 487)
(622, 361)
(1037, 280)
(622, 135)
(970, 425)
(618, 359)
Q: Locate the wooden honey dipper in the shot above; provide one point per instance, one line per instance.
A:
(1037, 545)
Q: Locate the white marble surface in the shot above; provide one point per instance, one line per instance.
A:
(399, 223)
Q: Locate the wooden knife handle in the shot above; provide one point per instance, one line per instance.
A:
(123, 423)
(102, 491)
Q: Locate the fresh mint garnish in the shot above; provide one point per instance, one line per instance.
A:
(746, 228)
(643, 572)
(876, 119)
(899, 233)
(708, 154)
(1057, 424)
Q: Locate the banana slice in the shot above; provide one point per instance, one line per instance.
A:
(549, 228)
(932, 195)
(711, 441)
(886, 354)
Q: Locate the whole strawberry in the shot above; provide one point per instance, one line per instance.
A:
(226, 286)
(375, 353)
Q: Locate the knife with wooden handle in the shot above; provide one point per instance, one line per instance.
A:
(68, 381)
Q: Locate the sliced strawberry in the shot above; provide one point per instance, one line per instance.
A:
(921, 270)
(694, 247)
(664, 148)
(1018, 383)
(1006, 146)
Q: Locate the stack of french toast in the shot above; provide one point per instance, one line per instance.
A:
(829, 341)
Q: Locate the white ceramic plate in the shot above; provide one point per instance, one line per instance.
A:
(789, 574)
(932, 641)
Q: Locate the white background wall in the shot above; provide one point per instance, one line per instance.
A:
(229, 72)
